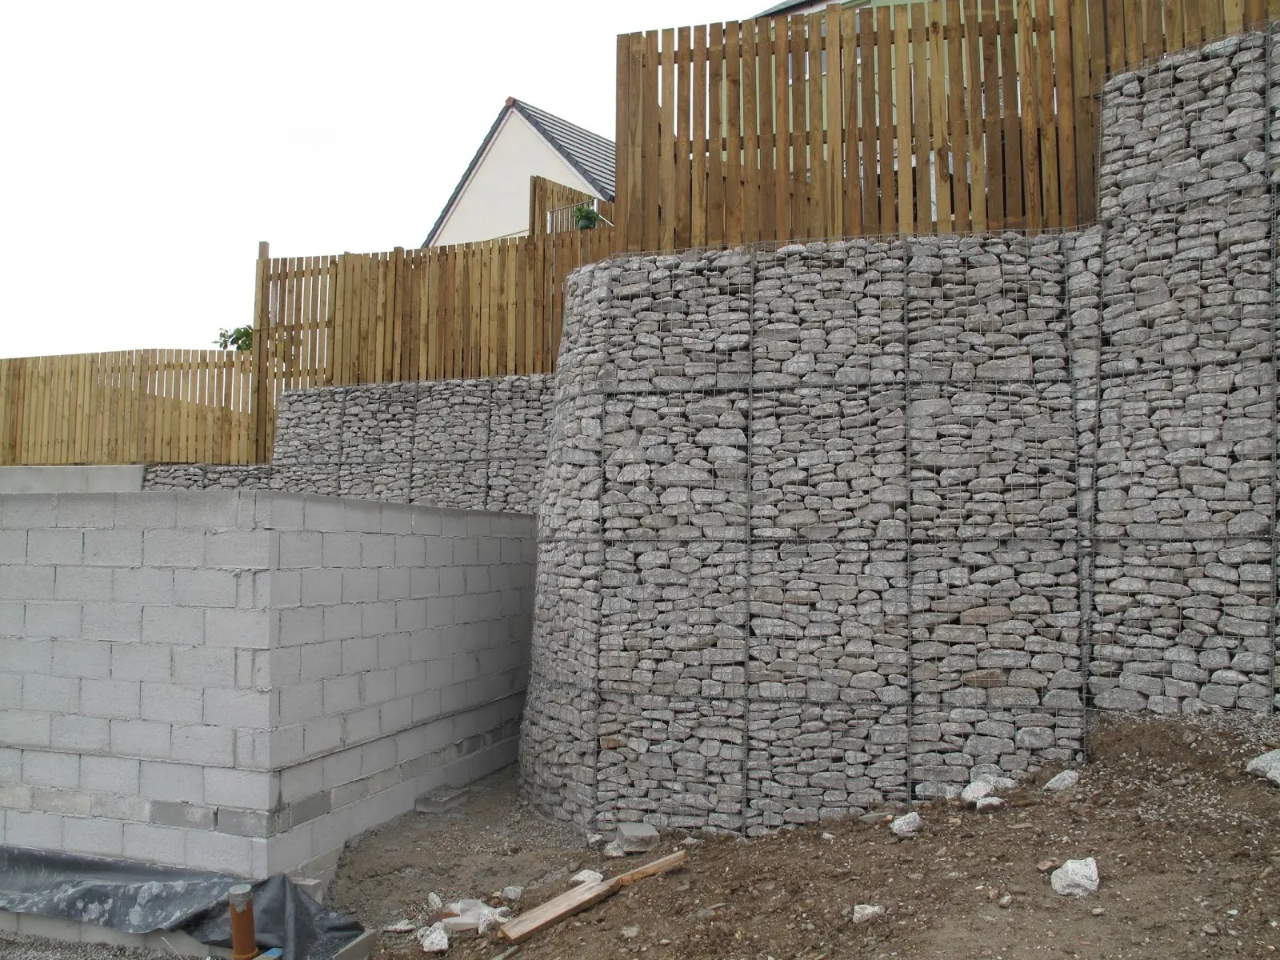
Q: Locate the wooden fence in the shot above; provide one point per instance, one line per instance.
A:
(137, 406)
(551, 206)
(945, 116)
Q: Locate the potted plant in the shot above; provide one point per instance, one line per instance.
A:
(586, 216)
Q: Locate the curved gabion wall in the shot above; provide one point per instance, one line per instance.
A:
(834, 525)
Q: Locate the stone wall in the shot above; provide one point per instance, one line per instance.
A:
(242, 681)
(832, 525)
(458, 444)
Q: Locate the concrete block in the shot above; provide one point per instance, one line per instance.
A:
(145, 511)
(301, 549)
(203, 509)
(12, 617)
(23, 582)
(81, 583)
(238, 788)
(13, 546)
(358, 655)
(41, 769)
(203, 744)
(239, 550)
(410, 551)
(141, 661)
(205, 588)
(299, 625)
(113, 548)
(42, 692)
(362, 516)
(302, 780)
(113, 775)
(82, 734)
(359, 585)
(39, 831)
(154, 844)
(378, 550)
(111, 698)
(192, 816)
(377, 619)
(245, 823)
(321, 586)
(53, 546)
(321, 736)
(28, 511)
(341, 622)
(52, 928)
(284, 588)
(113, 621)
(144, 585)
(442, 799)
(172, 782)
(340, 694)
(53, 619)
(140, 738)
(302, 702)
(172, 703)
(324, 513)
(238, 628)
(237, 708)
(320, 661)
(137, 809)
(173, 548)
(173, 625)
(26, 655)
(204, 666)
(81, 658)
(221, 852)
(104, 838)
(341, 549)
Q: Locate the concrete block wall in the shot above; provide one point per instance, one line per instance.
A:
(458, 444)
(834, 525)
(242, 681)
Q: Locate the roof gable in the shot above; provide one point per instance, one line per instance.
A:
(590, 154)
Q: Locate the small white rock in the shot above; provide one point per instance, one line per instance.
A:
(907, 825)
(865, 913)
(586, 876)
(978, 790)
(512, 894)
(1063, 781)
(433, 939)
(614, 849)
(400, 926)
(828, 837)
(434, 903)
(1076, 878)
(989, 804)
(595, 839)
(1267, 765)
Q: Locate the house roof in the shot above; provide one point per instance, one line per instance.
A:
(588, 153)
(789, 5)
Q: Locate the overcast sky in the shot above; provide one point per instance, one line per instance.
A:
(148, 147)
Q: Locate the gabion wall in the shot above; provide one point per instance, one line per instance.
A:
(460, 444)
(839, 524)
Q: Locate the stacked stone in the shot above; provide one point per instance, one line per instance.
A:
(451, 444)
(206, 476)
(307, 448)
(520, 410)
(378, 432)
(1183, 580)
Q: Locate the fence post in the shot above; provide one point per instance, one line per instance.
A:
(261, 317)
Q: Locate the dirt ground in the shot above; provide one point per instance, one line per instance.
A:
(1186, 846)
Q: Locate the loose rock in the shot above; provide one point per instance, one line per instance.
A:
(434, 939)
(1267, 765)
(865, 913)
(1063, 781)
(907, 825)
(1076, 878)
(586, 876)
(636, 837)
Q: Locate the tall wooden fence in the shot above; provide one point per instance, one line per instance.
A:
(944, 116)
(135, 406)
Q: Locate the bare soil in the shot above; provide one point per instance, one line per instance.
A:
(1186, 846)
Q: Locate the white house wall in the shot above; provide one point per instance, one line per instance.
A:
(495, 201)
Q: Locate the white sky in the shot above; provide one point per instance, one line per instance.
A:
(146, 148)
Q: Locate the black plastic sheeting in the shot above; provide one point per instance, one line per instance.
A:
(143, 897)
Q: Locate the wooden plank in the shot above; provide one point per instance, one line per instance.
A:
(666, 144)
(682, 164)
(700, 159)
(1062, 73)
(958, 148)
(782, 127)
(1193, 23)
(751, 125)
(887, 48)
(868, 47)
(1233, 16)
(837, 123)
(733, 123)
(939, 132)
(1215, 25)
(1153, 43)
(922, 111)
(1015, 177)
(799, 129)
(973, 86)
(1133, 34)
(767, 175)
(1088, 44)
(1031, 159)
(1046, 119)
(903, 108)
